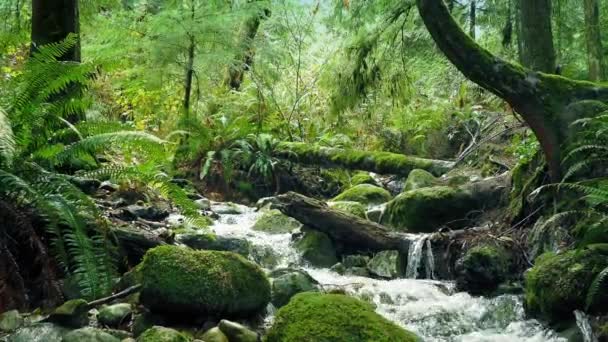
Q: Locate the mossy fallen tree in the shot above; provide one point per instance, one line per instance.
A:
(378, 162)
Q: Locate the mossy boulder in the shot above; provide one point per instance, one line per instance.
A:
(89, 334)
(212, 242)
(366, 194)
(183, 281)
(316, 317)
(362, 178)
(10, 321)
(350, 207)
(214, 335)
(114, 315)
(418, 179)
(162, 334)
(72, 314)
(289, 282)
(482, 269)
(275, 222)
(427, 209)
(387, 264)
(558, 283)
(316, 248)
(237, 332)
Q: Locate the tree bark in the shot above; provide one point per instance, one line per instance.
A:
(53, 21)
(189, 75)
(541, 99)
(377, 162)
(537, 35)
(244, 58)
(594, 41)
(473, 19)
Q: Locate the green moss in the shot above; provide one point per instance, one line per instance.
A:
(162, 334)
(418, 179)
(353, 208)
(315, 317)
(482, 269)
(427, 209)
(275, 222)
(72, 313)
(179, 280)
(362, 178)
(366, 194)
(558, 283)
(317, 248)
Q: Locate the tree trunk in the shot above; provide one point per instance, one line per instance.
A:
(377, 162)
(189, 75)
(53, 21)
(244, 58)
(594, 41)
(473, 19)
(542, 100)
(537, 36)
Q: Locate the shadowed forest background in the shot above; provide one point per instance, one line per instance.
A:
(282, 170)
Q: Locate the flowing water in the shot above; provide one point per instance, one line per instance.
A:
(430, 308)
(582, 321)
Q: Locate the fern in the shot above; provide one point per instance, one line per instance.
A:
(597, 290)
(7, 141)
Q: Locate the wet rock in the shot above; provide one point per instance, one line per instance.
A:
(275, 222)
(73, 314)
(349, 207)
(365, 194)
(109, 186)
(89, 334)
(418, 179)
(375, 213)
(203, 203)
(482, 269)
(162, 334)
(265, 203)
(362, 178)
(182, 281)
(10, 321)
(395, 186)
(214, 242)
(215, 335)
(357, 271)
(387, 264)
(146, 212)
(287, 284)
(355, 260)
(143, 322)
(338, 268)
(316, 248)
(226, 208)
(114, 315)
(237, 332)
(265, 256)
(313, 316)
(40, 332)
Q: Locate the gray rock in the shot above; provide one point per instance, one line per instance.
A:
(203, 204)
(10, 321)
(43, 332)
(338, 268)
(357, 271)
(266, 203)
(237, 332)
(289, 284)
(89, 334)
(213, 242)
(214, 335)
(387, 264)
(265, 256)
(355, 261)
(146, 212)
(226, 208)
(317, 248)
(109, 186)
(114, 315)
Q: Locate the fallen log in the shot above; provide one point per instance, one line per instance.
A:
(351, 230)
(377, 162)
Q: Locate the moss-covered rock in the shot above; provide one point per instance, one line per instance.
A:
(182, 281)
(418, 179)
(275, 222)
(214, 335)
(387, 264)
(362, 178)
(89, 334)
(287, 283)
(366, 194)
(316, 248)
(72, 314)
(162, 334)
(114, 315)
(482, 269)
(427, 209)
(10, 321)
(212, 242)
(350, 207)
(237, 332)
(333, 318)
(558, 283)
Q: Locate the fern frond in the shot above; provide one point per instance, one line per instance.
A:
(7, 141)
(597, 289)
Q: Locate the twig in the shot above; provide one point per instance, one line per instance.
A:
(120, 294)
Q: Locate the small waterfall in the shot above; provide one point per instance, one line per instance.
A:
(582, 321)
(430, 261)
(414, 257)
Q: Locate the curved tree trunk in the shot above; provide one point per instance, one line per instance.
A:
(541, 99)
